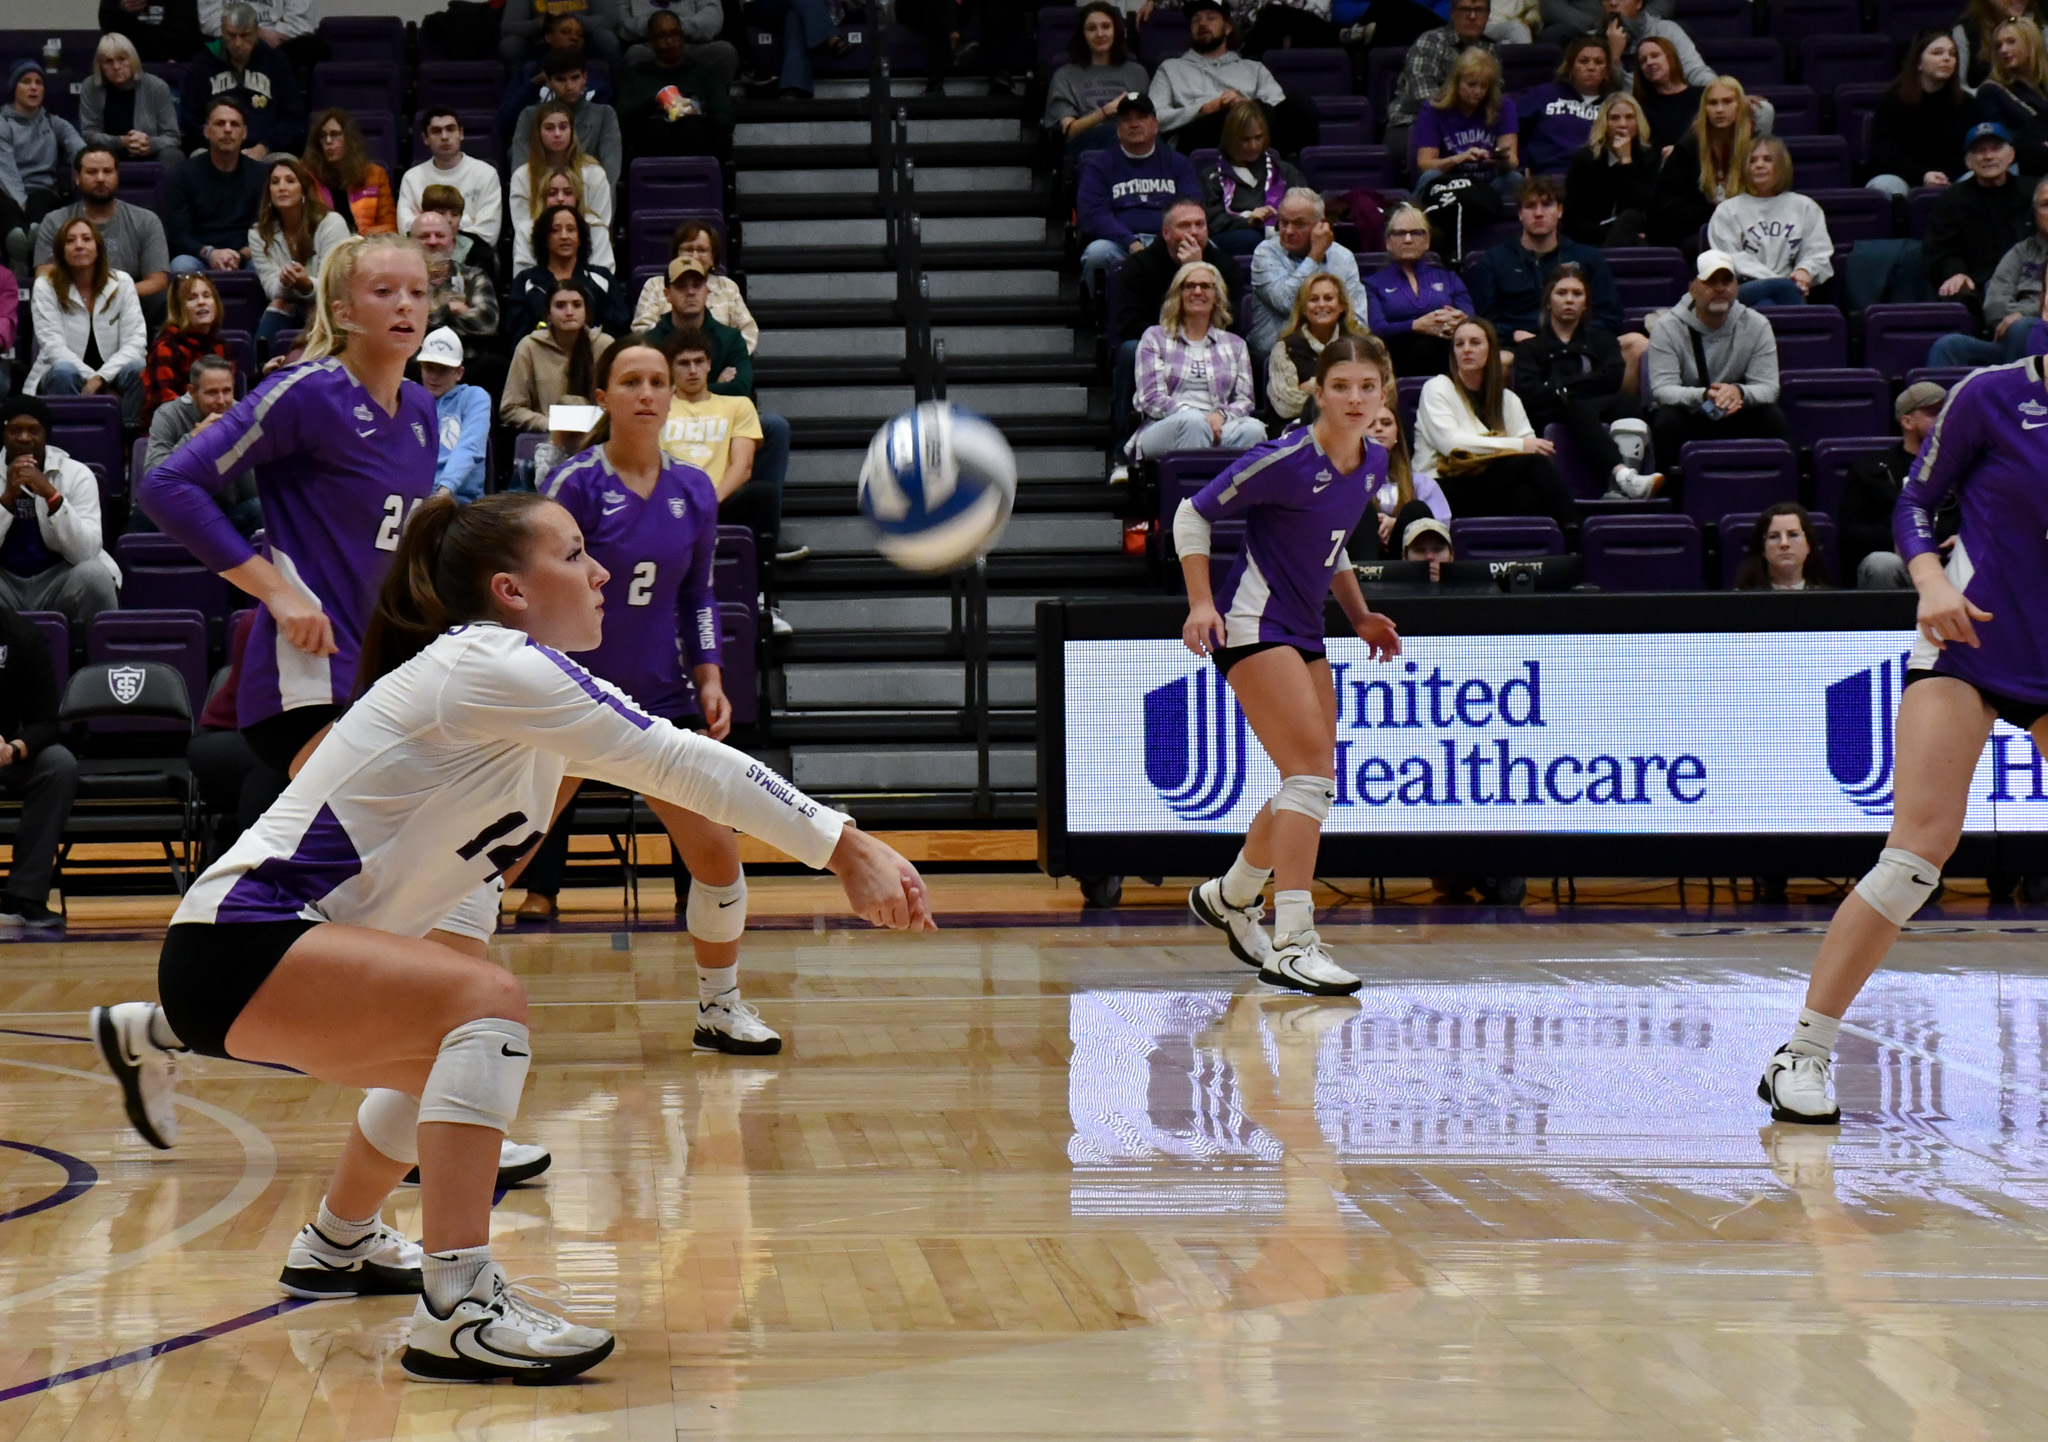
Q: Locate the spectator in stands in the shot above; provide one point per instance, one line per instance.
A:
(35, 145)
(1563, 19)
(1427, 67)
(678, 101)
(550, 148)
(90, 335)
(596, 126)
(190, 332)
(721, 436)
(124, 107)
(1241, 191)
(210, 204)
(1782, 554)
(1629, 23)
(1608, 194)
(51, 554)
(347, 181)
(1670, 104)
(35, 769)
(2016, 94)
(1194, 376)
(209, 395)
(1976, 34)
(1777, 237)
(1081, 102)
(293, 233)
(1509, 280)
(529, 78)
(699, 23)
(255, 75)
(561, 241)
(1322, 312)
(2012, 302)
(447, 165)
(471, 249)
(1472, 434)
(163, 30)
(134, 237)
(1280, 24)
(1736, 398)
(1467, 134)
(1193, 90)
(1415, 304)
(722, 297)
(1303, 245)
(463, 414)
(1124, 191)
(946, 51)
(286, 25)
(806, 25)
(1141, 292)
(553, 366)
(1973, 223)
(1404, 492)
(1917, 136)
(1425, 538)
(1570, 373)
(462, 298)
(1871, 495)
(1557, 118)
(520, 28)
(1708, 164)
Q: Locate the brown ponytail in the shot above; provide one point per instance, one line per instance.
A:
(441, 576)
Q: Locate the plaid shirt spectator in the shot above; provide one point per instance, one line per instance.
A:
(1425, 70)
(471, 286)
(1163, 363)
(168, 372)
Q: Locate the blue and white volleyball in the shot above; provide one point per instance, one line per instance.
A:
(937, 486)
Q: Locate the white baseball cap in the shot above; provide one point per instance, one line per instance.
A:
(442, 347)
(1712, 263)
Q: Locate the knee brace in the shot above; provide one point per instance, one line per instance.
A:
(717, 913)
(479, 1074)
(1312, 796)
(1899, 884)
(390, 1122)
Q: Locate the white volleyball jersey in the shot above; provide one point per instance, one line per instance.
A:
(445, 773)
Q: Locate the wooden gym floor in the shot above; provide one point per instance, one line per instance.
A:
(1083, 1177)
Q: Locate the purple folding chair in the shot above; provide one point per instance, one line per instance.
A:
(382, 141)
(1840, 56)
(1181, 474)
(1339, 168)
(1919, 205)
(365, 39)
(1797, 108)
(1853, 214)
(242, 299)
(56, 629)
(158, 574)
(1505, 538)
(650, 233)
(176, 638)
(1056, 27)
(1735, 530)
(1847, 402)
(358, 87)
(1343, 120)
(88, 429)
(1855, 109)
(242, 351)
(1408, 400)
(739, 647)
(461, 84)
(1904, 17)
(1165, 35)
(1819, 162)
(1720, 19)
(683, 183)
(1946, 377)
(1523, 66)
(141, 183)
(735, 569)
(1753, 62)
(1724, 476)
(1897, 338)
(1831, 461)
(1641, 552)
(1382, 72)
(171, 72)
(1810, 337)
(1314, 70)
(1648, 275)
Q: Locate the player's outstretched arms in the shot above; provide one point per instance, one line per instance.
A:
(884, 888)
(1946, 614)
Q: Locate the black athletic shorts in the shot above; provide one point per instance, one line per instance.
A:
(277, 740)
(209, 970)
(2010, 709)
(1227, 656)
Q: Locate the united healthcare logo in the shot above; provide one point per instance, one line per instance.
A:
(1195, 738)
(1860, 712)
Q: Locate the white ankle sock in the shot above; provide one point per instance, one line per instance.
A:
(1814, 1034)
(160, 1031)
(1293, 911)
(714, 982)
(1243, 883)
(448, 1276)
(340, 1230)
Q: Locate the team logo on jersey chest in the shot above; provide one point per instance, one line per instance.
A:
(420, 432)
(126, 683)
(676, 507)
(363, 415)
(613, 498)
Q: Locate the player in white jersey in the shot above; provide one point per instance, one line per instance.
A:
(305, 944)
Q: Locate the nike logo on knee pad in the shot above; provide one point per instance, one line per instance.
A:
(509, 1052)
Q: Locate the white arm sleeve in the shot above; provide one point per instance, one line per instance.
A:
(1190, 531)
(543, 699)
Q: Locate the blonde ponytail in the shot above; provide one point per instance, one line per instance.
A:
(325, 336)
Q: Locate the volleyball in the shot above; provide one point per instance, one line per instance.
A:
(937, 486)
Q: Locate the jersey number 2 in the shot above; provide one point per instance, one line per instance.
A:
(396, 514)
(642, 590)
(500, 857)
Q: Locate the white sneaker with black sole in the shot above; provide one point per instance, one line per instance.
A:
(147, 1072)
(383, 1264)
(1299, 963)
(517, 1162)
(494, 1334)
(1799, 1087)
(1240, 924)
(735, 1028)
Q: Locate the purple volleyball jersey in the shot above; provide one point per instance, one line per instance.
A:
(660, 616)
(1990, 447)
(338, 478)
(1298, 508)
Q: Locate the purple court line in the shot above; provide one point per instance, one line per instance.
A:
(79, 1177)
(156, 1349)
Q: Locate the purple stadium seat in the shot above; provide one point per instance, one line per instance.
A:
(735, 568)
(1382, 72)
(176, 638)
(142, 183)
(1896, 338)
(1571, 466)
(171, 72)
(1334, 169)
(1343, 120)
(1165, 35)
(383, 142)
(739, 645)
(1831, 462)
(1903, 17)
(1810, 337)
(1408, 400)
(56, 629)
(648, 233)
(1504, 538)
(158, 574)
(1735, 530)
(1524, 66)
(1946, 377)
(1314, 70)
(241, 298)
(358, 87)
(461, 84)
(135, 457)
(1753, 62)
(365, 40)
(1056, 27)
(1855, 109)
(1642, 553)
(1821, 404)
(1648, 275)
(1724, 476)
(1853, 214)
(88, 429)
(691, 183)
(242, 351)
(1797, 107)
(282, 342)
(1819, 162)
(1919, 205)
(1720, 19)
(1181, 474)
(1828, 60)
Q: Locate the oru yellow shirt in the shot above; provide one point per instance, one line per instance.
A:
(700, 433)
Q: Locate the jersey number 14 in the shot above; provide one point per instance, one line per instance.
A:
(500, 857)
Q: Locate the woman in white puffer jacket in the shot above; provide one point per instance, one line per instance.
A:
(1777, 238)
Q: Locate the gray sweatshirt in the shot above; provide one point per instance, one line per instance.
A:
(35, 150)
(1184, 84)
(1078, 89)
(2015, 286)
(1744, 350)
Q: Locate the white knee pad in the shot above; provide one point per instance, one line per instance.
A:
(479, 1074)
(1312, 796)
(390, 1122)
(1899, 884)
(717, 913)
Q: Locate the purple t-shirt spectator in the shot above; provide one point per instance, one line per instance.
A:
(1122, 197)
(1556, 123)
(1450, 130)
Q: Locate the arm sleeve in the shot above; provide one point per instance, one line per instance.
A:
(179, 494)
(1174, 113)
(92, 106)
(1154, 400)
(1760, 378)
(1697, 71)
(702, 20)
(653, 305)
(2000, 292)
(163, 439)
(609, 152)
(452, 467)
(1724, 233)
(1241, 399)
(1098, 221)
(1268, 87)
(74, 532)
(518, 408)
(1606, 295)
(1452, 426)
(1375, 314)
(1283, 390)
(295, 18)
(264, 264)
(134, 347)
(697, 600)
(1666, 372)
(1951, 448)
(1431, 494)
(1226, 496)
(484, 204)
(387, 203)
(1062, 101)
(156, 255)
(544, 700)
(730, 307)
(1190, 530)
(1276, 277)
(1817, 256)
(518, 20)
(50, 341)
(410, 187)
